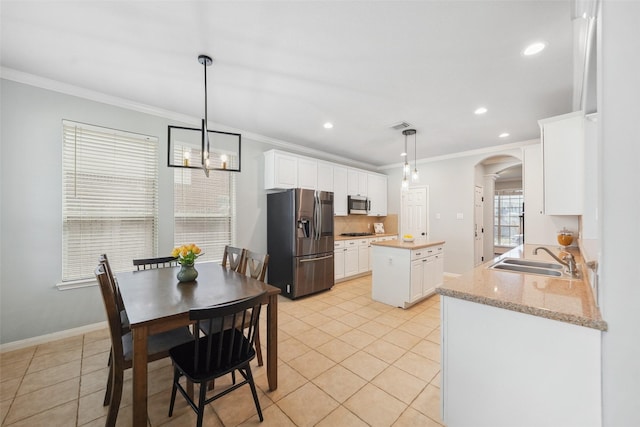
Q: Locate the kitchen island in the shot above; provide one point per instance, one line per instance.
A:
(520, 349)
(406, 272)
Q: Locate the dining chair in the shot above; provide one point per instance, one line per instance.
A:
(122, 345)
(124, 319)
(149, 263)
(234, 257)
(255, 265)
(223, 350)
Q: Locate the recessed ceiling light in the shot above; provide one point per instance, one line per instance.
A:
(534, 48)
(328, 125)
(503, 135)
(403, 154)
(480, 110)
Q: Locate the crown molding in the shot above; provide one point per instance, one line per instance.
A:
(80, 92)
(479, 151)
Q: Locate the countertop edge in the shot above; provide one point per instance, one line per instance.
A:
(371, 236)
(399, 244)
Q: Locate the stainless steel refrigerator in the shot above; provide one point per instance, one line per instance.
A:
(300, 241)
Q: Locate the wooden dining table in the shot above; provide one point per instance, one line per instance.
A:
(155, 302)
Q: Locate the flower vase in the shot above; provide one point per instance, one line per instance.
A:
(187, 273)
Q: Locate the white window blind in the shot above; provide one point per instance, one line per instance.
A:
(204, 210)
(110, 198)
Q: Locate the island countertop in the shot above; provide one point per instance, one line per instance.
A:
(566, 300)
(416, 244)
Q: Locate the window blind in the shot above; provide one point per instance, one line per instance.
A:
(110, 198)
(204, 210)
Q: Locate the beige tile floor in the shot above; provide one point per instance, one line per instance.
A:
(344, 360)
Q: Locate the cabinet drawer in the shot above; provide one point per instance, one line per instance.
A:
(426, 252)
(350, 243)
(338, 244)
(363, 242)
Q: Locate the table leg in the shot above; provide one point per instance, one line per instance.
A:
(140, 376)
(272, 342)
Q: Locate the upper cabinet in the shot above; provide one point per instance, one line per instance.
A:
(340, 191)
(563, 142)
(280, 170)
(357, 182)
(377, 193)
(284, 170)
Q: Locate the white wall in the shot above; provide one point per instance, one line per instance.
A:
(31, 210)
(619, 86)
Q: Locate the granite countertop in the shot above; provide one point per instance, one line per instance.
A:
(338, 238)
(416, 244)
(566, 300)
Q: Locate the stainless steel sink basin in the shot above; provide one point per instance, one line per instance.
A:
(518, 265)
(530, 263)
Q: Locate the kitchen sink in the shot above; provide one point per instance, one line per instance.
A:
(518, 265)
(529, 263)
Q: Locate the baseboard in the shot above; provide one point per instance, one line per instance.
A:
(42, 339)
(451, 275)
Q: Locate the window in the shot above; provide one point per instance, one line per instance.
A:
(507, 215)
(110, 198)
(204, 210)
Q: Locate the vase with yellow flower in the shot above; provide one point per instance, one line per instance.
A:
(186, 256)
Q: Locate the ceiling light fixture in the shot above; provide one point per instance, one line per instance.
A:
(480, 110)
(185, 142)
(328, 125)
(503, 135)
(534, 48)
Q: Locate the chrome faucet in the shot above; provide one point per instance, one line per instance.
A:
(567, 260)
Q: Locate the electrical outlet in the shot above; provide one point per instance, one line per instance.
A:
(459, 216)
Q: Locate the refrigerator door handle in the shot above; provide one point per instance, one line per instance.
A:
(316, 259)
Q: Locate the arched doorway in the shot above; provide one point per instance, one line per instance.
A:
(500, 216)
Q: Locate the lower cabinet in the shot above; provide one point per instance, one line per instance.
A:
(402, 277)
(353, 257)
(346, 258)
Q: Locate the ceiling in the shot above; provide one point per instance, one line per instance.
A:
(283, 69)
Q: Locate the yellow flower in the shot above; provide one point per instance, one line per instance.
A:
(196, 250)
(175, 252)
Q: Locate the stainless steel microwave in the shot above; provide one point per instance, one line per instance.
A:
(358, 205)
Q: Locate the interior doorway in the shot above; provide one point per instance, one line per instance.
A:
(414, 212)
(500, 177)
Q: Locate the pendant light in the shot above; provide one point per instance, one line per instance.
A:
(415, 176)
(206, 62)
(406, 169)
(219, 151)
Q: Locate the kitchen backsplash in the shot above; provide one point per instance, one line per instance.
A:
(363, 223)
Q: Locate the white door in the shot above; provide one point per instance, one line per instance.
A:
(478, 226)
(414, 212)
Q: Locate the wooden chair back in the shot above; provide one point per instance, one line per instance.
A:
(113, 314)
(149, 263)
(255, 265)
(234, 257)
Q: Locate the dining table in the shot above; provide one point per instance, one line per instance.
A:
(155, 301)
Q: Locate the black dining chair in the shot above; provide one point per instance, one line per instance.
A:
(122, 345)
(223, 350)
(149, 263)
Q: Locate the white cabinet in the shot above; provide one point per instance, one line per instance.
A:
(350, 258)
(307, 173)
(280, 170)
(357, 182)
(377, 193)
(340, 191)
(346, 258)
(402, 277)
(363, 255)
(325, 177)
(543, 372)
(563, 142)
(338, 260)
(426, 272)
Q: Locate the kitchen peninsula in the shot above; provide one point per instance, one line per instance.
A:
(520, 349)
(406, 272)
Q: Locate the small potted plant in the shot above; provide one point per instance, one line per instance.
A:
(186, 256)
